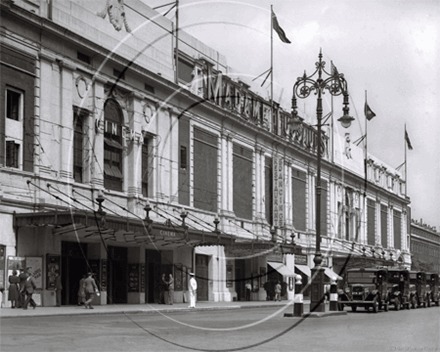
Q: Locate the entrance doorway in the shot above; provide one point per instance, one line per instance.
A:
(202, 277)
(152, 275)
(73, 267)
(240, 279)
(117, 275)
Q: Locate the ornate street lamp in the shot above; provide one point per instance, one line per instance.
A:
(100, 198)
(336, 85)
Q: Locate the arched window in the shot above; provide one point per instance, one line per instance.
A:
(113, 119)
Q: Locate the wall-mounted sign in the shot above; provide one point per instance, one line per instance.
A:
(278, 192)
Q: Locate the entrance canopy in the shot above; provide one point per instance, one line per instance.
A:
(281, 268)
(92, 227)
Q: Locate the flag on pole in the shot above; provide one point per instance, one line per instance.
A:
(408, 142)
(278, 29)
(369, 114)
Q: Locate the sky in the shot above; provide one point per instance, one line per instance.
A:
(388, 51)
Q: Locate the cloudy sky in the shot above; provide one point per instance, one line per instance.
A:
(387, 48)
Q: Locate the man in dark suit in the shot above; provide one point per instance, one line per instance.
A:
(58, 288)
(23, 276)
(29, 287)
(90, 288)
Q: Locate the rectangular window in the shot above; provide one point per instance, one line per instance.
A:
(340, 219)
(299, 179)
(268, 189)
(183, 158)
(371, 222)
(12, 154)
(384, 224)
(13, 105)
(145, 167)
(185, 71)
(184, 174)
(78, 145)
(397, 215)
(205, 170)
(242, 181)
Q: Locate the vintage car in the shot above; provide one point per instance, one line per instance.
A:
(398, 288)
(433, 281)
(417, 288)
(365, 287)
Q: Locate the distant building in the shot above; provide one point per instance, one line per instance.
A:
(425, 247)
(114, 162)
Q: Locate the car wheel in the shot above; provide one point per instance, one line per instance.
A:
(375, 305)
(397, 303)
(354, 308)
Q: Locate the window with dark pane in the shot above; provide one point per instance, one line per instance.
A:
(205, 170)
(113, 119)
(371, 221)
(12, 104)
(242, 181)
(78, 146)
(299, 179)
(184, 172)
(268, 189)
(12, 154)
(397, 222)
(145, 167)
(185, 71)
(384, 224)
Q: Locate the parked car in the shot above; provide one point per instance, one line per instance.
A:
(398, 288)
(417, 288)
(433, 282)
(365, 288)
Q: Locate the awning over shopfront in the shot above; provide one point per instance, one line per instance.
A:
(304, 269)
(281, 268)
(331, 274)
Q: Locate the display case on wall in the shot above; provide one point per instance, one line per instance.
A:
(178, 274)
(53, 266)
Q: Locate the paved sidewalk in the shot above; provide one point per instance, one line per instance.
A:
(144, 308)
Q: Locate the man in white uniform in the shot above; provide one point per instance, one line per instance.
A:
(192, 288)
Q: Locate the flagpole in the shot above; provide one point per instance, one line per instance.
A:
(176, 74)
(271, 66)
(406, 165)
(366, 143)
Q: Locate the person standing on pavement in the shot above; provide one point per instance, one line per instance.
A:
(192, 288)
(81, 291)
(90, 288)
(23, 276)
(248, 288)
(14, 291)
(29, 288)
(278, 291)
(170, 289)
(58, 288)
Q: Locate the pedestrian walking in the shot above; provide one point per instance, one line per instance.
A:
(29, 289)
(23, 277)
(14, 289)
(278, 291)
(162, 285)
(90, 289)
(58, 288)
(81, 291)
(170, 289)
(248, 288)
(192, 288)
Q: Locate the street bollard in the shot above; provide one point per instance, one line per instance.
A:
(333, 296)
(298, 304)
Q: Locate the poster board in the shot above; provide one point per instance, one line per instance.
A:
(133, 277)
(2, 266)
(52, 266)
(178, 277)
(184, 278)
(229, 275)
(36, 263)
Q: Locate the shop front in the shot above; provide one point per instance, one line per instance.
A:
(127, 256)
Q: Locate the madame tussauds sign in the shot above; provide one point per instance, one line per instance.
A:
(236, 97)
